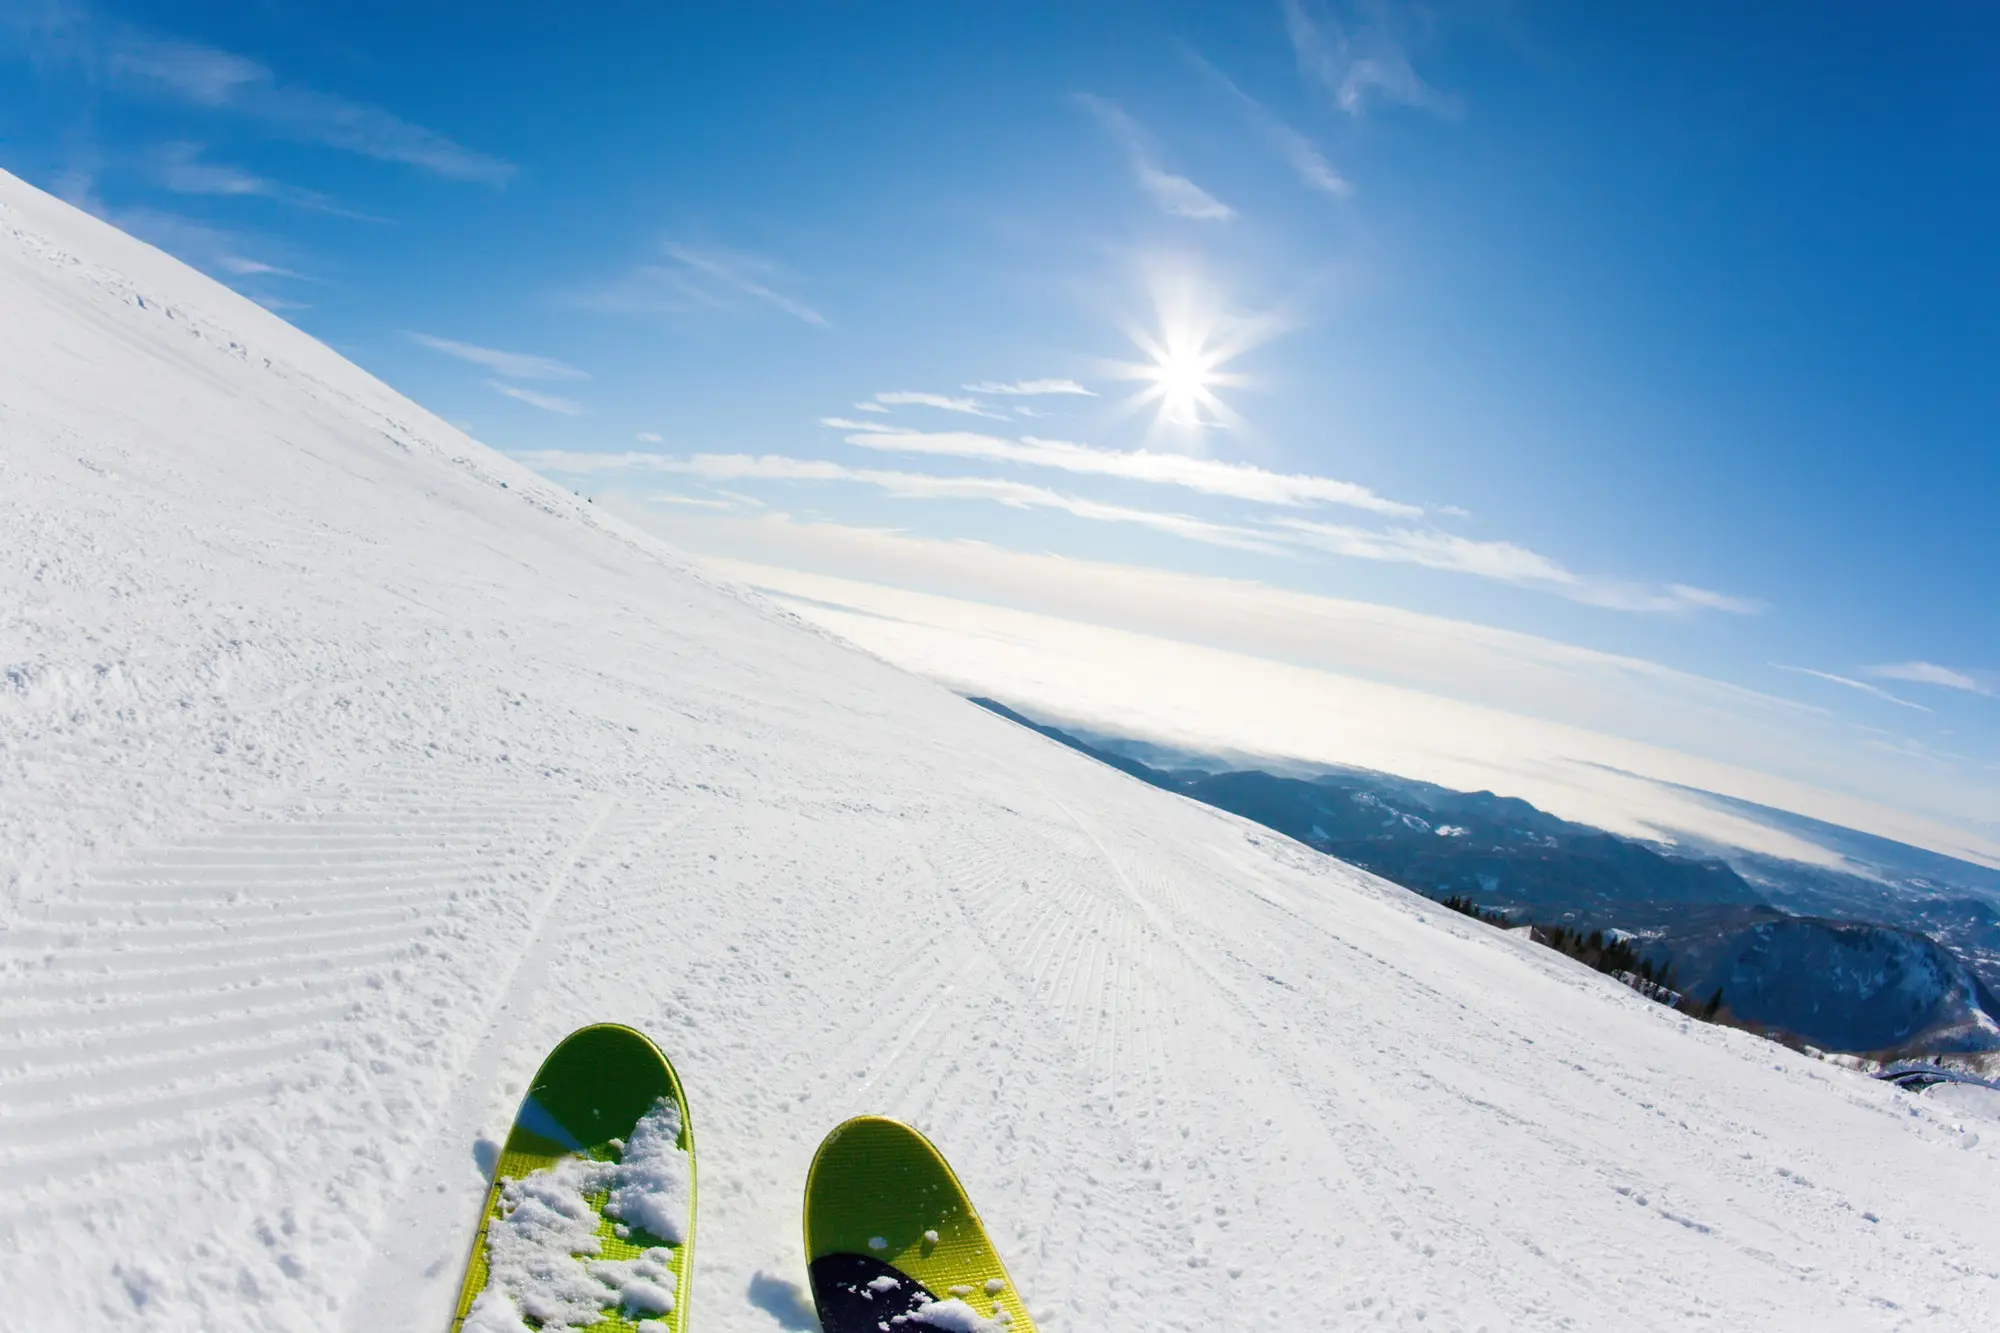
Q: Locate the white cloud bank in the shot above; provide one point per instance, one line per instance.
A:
(1234, 666)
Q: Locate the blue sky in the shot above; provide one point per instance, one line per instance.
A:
(1667, 331)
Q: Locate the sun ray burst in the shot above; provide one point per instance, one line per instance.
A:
(1186, 353)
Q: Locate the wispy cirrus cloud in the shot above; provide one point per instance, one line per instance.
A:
(746, 274)
(1210, 476)
(1029, 388)
(1501, 561)
(547, 402)
(943, 402)
(1707, 599)
(182, 168)
(1303, 155)
(1505, 562)
(907, 485)
(217, 80)
(216, 250)
(700, 278)
(245, 267)
(1173, 193)
(1930, 673)
(511, 365)
(1357, 62)
(1875, 691)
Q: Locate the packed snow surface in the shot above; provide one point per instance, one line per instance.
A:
(348, 766)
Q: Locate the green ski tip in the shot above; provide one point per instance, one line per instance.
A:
(892, 1241)
(602, 1154)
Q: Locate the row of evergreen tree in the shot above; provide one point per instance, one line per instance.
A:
(1614, 956)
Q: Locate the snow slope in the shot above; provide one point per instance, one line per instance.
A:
(345, 766)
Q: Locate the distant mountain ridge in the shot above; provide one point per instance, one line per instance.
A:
(1793, 948)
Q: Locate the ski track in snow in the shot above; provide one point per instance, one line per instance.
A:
(345, 766)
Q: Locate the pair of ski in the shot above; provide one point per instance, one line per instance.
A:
(589, 1223)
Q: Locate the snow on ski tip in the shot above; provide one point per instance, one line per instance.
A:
(590, 1219)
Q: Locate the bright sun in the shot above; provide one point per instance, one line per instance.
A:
(1184, 377)
(1186, 355)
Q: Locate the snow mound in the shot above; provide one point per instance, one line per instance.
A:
(346, 766)
(1966, 1099)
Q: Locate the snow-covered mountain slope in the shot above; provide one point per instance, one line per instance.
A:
(1845, 985)
(347, 766)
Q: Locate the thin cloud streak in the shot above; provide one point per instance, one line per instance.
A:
(1029, 388)
(547, 402)
(1504, 562)
(1174, 194)
(745, 274)
(909, 486)
(699, 279)
(1710, 600)
(181, 169)
(1239, 481)
(1301, 153)
(244, 267)
(217, 80)
(943, 402)
(212, 249)
(1355, 67)
(1863, 686)
(1930, 673)
(509, 365)
(1501, 561)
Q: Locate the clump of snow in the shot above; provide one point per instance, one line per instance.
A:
(958, 1317)
(652, 1188)
(539, 1251)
